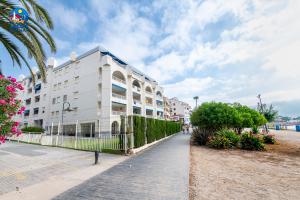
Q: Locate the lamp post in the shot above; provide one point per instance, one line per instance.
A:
(62, 114)
(196, 98)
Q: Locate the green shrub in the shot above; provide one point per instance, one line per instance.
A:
(269, 139)
(139, 131)
(201, 136)
(255, 130)
(33, 129)
(224, 139)
(215, 116)
(251, 142)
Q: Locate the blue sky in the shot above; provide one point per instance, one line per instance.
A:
(219, 50)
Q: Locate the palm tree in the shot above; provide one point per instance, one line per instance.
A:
(31, 38)
(196, 99)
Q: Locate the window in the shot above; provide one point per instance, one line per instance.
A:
(57, 99)
(54, 86)
(58, 85)
(66, 82)
(26, 112)
(36, 111)
(39, 76)
(76, 94)
(65, 98)
(53, 100)
(43, 109)
(29, 90)
(28, 101)
(57, 112)
(52, 113)
(44, 97)
(76, 78)
(37, 99)
(37, 88)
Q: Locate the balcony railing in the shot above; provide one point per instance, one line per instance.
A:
(118, 96)
(118, 79)
(149, 104)
(147, 92)
(135, 88)
(118, 112)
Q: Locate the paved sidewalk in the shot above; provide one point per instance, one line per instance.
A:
(160, 172)
(34, 172)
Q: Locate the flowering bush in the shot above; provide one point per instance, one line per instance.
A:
(251, 141)
(269, 139)
(9, 107)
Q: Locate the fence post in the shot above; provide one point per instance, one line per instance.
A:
(51, 134)
(145, 132)
(99, 128)
(58, 127)
(76, 133)
(91, 131)
(125, 135)
(131, 133)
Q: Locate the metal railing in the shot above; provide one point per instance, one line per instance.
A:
(118, 112)
(118, 79)
(119, 96)
(105, 141)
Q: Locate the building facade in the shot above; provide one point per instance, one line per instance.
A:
(167, 108)
(180, 110)
(97, 88)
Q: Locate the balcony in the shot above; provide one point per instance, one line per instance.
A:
(118, 96)
(118, 112)
(137, 103)
(136, 89)
(118, 79)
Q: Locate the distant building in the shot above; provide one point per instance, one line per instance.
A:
(180, 110)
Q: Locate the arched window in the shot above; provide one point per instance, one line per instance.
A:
(118, 76)
(135, 83)
(158, 93)
(148, 89)
(115, 128)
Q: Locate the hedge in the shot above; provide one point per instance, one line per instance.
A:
(33, 129)
(155, 129)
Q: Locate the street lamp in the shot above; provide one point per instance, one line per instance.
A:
(68, 109)
(196, 98)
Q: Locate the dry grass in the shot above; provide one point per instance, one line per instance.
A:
(239, 174)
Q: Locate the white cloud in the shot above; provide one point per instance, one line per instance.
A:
(70, 19)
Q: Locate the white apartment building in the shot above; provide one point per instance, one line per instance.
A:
(99, 87)
(180, 110)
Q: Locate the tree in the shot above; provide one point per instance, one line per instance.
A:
(30, 39)
(269, 112)
(9, 106)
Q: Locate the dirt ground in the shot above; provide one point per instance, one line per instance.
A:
(238, 174)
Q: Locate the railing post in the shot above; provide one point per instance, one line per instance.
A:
(131, 133)
(58, 127)
(51, 134)
(76, 134)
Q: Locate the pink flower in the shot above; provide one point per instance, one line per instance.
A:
(2, 139)
(14, 129)
(12, 79)
(11, 89)
(2, 102)
(16, 124)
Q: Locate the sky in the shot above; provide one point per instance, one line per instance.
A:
(227, 51)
